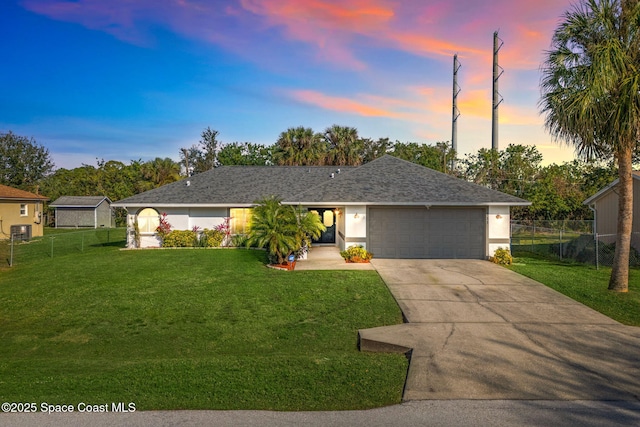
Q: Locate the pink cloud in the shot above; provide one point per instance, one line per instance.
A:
(336, 31)
(341, 104)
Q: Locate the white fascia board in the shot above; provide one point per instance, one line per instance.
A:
(183, 205)
(333, 204)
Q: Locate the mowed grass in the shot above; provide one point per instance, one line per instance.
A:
(585, 284)
(193, 329)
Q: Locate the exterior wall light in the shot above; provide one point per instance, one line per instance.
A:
(498, 216)
(356, 216)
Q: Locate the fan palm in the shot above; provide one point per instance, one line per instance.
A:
(299, 147)
(591, 98)
(344, 146)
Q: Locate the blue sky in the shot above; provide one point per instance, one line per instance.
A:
(122, 80)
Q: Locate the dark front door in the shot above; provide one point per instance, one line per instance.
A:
(328, 218)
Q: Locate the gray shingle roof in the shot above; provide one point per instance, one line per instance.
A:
(78, 201)
(387, 180)
(235, 185)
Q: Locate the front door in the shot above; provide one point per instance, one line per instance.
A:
(328, 218)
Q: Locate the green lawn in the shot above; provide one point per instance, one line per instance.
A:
(585, 284)
(198, 329)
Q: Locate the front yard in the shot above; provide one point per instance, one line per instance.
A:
(197, 329)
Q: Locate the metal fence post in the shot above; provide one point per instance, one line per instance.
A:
(560, 245)
(11, 252)
(597, 252)
(533, 235)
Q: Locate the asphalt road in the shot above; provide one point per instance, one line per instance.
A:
(495, 413)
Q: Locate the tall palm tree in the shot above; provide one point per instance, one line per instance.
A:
(343, 145)
(299, 146)
(591, 98)
(161, 171)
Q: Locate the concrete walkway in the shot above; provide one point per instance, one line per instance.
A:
(479, 331)
(328, 258)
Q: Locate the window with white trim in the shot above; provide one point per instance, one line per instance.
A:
(24, 210)
(148, 220)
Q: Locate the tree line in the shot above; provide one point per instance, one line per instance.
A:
(556, 191)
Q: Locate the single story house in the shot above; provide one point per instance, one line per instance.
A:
(392, 207)
(20, 213)
(83, 211)
(605, 208)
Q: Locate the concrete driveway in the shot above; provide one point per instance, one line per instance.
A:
(476, 330)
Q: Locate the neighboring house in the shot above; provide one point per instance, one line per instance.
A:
(605, 211)
(83, 211)
(20, 213)
(394, 208)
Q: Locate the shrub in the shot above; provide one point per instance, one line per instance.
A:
(502, 256)
(356, 254)
(239, 240)
(281, 229)
(179, 239)
(211, 238)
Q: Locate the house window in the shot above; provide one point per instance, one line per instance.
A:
(24, 210)
(240, 220)
(148, 220)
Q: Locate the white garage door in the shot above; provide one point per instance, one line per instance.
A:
(454, 233)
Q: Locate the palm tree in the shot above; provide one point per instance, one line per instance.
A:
(161, 171)
(299, 147)
(282, 229)
(591, 98)
(309, 226)
(344, 146)
(273, 227)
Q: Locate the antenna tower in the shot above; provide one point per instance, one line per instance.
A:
(455, 112)
(497, 98)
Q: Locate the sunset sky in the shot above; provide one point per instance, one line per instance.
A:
(127, 80)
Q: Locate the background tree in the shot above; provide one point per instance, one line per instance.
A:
(23, 162)
(245, 154)
(201, 157)
(483, 168)
(299, 146)
(161, 171)
(591, 98)
(344, 147)
(371, 149)
(431, 156)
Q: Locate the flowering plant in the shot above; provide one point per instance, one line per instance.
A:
(164, 228)
(225, 229)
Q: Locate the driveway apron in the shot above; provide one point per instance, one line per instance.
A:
(475, 330)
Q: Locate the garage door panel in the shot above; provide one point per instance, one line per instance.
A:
(427, 233)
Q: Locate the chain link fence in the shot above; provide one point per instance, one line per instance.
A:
(59, 243)
(570, 240)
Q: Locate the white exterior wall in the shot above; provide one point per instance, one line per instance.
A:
(355, 228)
(498, 228)
(206, 217)
(180, 219)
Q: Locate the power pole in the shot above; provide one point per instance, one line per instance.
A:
(497, 98)
(186, 161)
(455, 112)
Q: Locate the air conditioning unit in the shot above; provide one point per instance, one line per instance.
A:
(21, 231)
